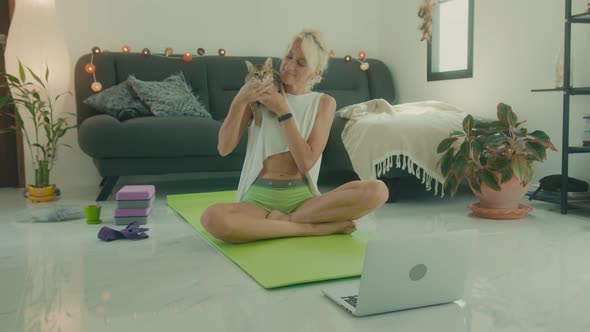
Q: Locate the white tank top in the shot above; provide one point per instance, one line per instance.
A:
(269, 140)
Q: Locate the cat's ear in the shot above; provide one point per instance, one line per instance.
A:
(250, 66)
(268, 62)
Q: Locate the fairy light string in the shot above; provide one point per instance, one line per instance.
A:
(96, 86)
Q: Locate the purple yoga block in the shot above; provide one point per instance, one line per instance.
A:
(136, 193)
(132, 212)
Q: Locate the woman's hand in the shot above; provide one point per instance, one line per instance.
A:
(252, 90)
(275, 102)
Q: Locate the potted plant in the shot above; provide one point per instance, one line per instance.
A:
(494, 156)
(43, 138)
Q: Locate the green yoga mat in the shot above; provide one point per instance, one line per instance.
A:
(279, 262)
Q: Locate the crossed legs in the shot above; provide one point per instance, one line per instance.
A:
(330, 213)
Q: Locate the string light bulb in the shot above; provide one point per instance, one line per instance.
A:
(187, 57)
(96, 50)
(146, 52)
(364, 66)
(126, 49)
(201, 51)
(89, 68)
(96, 87)
(168, 51)
(221, 52)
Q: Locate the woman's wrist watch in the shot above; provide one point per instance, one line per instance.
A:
(285, 116)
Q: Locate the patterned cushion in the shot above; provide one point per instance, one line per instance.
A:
(118, 101)
(170, 97)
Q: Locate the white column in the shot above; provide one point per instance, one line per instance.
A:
(36, 38)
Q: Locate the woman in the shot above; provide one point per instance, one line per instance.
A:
(278, 195)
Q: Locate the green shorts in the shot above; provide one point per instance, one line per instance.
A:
(282, 195)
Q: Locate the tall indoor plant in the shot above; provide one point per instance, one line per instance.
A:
(492, 155)
(30, 92)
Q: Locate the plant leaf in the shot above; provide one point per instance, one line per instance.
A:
(548, 145)
(537, 149)
(464, 150)
(512, 118)
(540, 135)
(459, 165)
(521, 168)
(468, 124)
(47, 74)
(477, 147)
(498, 164)
(496, 139)
(457, 133)
(36, 77)
(13, 79)
(39, 146)
(21, 71)
(446, 162)
(506, 174)
(501, 113)
(505, 115)
(476, 186)
(445, 144)
(491, 180)
(451, 184)
(62, 94)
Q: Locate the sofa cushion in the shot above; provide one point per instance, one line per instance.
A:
(118, 101)
(102, 136)
(157, 68)
(170, 97)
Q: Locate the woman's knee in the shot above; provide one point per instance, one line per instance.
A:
(374, 193)
(214, 220)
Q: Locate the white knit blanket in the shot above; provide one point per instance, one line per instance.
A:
(379, 136)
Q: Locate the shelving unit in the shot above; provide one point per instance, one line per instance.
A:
(568, 91)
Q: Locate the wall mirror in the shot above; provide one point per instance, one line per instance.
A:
(450, 52)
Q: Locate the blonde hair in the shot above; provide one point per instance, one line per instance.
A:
(315, 51)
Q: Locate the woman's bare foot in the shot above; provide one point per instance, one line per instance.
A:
(337, 227)
(277, 215)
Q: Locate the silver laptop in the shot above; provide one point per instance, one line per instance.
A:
(409, 273)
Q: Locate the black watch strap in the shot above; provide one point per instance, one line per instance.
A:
(285, 117)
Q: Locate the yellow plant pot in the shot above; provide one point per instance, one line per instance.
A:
(43, 194)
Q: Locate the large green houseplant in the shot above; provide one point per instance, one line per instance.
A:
(492, 153)
(30, 91)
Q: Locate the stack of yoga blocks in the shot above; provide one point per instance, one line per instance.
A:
(134, 203)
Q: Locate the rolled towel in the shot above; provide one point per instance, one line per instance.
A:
(51, 214)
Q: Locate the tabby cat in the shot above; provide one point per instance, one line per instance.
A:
(261, 74)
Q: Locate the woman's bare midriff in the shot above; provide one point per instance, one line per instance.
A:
(280, 166)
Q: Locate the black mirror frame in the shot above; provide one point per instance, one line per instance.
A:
(455, 74)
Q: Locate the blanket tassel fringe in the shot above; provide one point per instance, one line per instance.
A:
(404, 162)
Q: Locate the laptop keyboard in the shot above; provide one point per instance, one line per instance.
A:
(350, 300)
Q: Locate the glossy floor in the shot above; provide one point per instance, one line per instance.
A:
(528, 275)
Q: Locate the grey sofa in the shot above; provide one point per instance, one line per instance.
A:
(155, 145)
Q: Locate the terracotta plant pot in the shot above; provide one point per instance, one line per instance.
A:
(41, 194)
(507, 198)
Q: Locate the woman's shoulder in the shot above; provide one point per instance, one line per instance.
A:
(327, 101)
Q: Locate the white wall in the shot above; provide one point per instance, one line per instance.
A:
(515, 45)
(255, 27)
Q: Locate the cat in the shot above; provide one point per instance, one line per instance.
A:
(261, 74)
